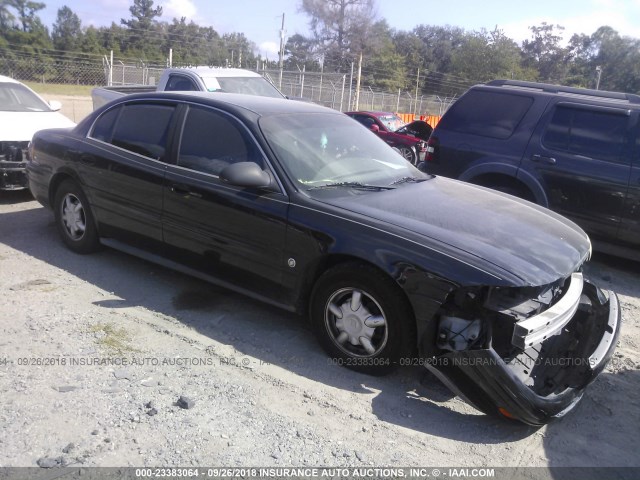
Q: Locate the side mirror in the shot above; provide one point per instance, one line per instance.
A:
(247, 174)
(375, 128)
(55, 105)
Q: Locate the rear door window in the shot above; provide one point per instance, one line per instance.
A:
(103, 128)
(488, 114)
(144, 129)
(591, 133)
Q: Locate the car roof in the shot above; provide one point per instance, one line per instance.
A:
(8, 79)
(217, 72)
(373, 113)
(583, 95)
(236, 102)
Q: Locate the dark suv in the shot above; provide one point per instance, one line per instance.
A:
(575, 151)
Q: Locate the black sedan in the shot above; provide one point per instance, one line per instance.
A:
(301, 207)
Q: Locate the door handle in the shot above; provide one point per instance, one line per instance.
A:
(184, 191)
(543, 159)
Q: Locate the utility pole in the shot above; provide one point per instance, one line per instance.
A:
(599, 72)
(358, 82)
(350, 86)
(281, 53)
(417, 83)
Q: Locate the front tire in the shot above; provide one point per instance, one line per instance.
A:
(362, 319)
(74, 218)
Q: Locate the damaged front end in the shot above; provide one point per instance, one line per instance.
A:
(525, 353)
(13, 163)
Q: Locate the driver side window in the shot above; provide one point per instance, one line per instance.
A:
(211, 141)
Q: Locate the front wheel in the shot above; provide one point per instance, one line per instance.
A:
(362, 319)
(74, 218)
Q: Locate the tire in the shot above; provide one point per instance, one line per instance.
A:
(377, 334)
(409, 154)
(74, 218)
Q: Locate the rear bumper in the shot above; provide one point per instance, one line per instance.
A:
(552, 384)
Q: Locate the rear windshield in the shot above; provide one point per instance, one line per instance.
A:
(247, 85)
(488, 114)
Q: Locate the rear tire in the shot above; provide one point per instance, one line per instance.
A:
(409, 154)
(74, 218)
(512, 188)
(362, 319)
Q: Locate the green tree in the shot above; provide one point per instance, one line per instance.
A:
(26, 10)
(618, 59)
(67, 30)
(7, 18)
(340, 29)
(299, 51)
(485, 56)
(384, 67)
(141, 28)
(440, 43)
(90, 41)
(545, 54)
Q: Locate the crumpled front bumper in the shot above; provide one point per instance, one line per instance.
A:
(13, 157)
(556, 383)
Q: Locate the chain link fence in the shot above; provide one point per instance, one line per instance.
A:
(334, 90)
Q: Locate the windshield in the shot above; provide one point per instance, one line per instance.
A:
(392, 122)
(319, 149)
(18, 98)
(247, 85)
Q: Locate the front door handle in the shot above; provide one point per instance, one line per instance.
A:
(184, 191)
(543, 159)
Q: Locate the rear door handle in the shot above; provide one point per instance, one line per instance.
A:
(543, 159)
(184, 191)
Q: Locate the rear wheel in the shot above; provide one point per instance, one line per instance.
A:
(74, 218)
(408, 154)
(362, 319)
(512, 187)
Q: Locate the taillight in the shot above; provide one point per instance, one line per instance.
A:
(432, 144)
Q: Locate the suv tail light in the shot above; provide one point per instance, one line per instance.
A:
(432, 149)
(432, 146)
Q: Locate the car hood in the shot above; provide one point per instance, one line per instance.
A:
(20, 126)
(402, 137)
(507, 236)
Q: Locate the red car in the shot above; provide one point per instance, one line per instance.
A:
(410, 139)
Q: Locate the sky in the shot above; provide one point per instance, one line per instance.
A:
(260, 20)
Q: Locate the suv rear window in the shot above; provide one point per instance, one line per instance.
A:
(593, 134)
(488, 114)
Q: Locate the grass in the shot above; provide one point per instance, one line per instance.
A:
(60, 89)
(113, 338)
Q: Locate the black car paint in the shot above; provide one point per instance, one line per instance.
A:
(274, 245)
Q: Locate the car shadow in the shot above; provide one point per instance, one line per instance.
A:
(410, 397)
(8, 197)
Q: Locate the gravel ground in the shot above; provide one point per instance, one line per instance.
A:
(96, 352)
